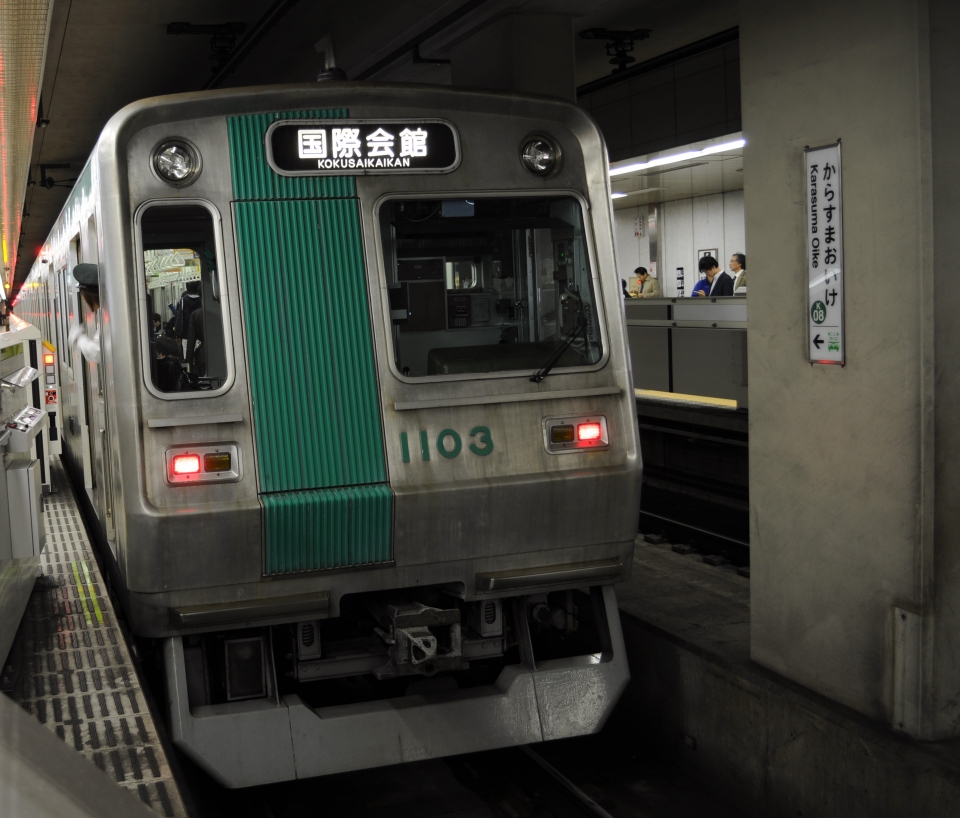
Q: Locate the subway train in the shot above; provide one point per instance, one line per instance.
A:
(357, 431)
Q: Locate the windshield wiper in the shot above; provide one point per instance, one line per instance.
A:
(553, 359)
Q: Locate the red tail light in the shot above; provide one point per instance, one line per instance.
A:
(589, 431)
(186, 464)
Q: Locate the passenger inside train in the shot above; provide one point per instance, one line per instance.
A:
(489, 285)
(179, 254)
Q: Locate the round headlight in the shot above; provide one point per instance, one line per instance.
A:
(177, 162)
(539, 155)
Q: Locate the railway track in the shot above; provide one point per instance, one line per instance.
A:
(591, 777)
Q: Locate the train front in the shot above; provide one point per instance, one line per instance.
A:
(391, 483)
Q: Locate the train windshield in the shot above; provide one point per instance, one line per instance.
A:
(489, 285)
(183, 307)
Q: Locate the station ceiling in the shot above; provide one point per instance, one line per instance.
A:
(683, 179)
(103, 54)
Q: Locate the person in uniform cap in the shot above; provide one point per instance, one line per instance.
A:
(88, 277)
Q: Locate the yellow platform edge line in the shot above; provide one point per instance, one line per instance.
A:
(679, 397)
(92, 592)
(81, 594)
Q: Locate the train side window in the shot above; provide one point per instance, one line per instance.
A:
(63, 326)
(187, 347)
(503, 285)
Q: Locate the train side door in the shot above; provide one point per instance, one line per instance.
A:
(96, 397)
(73, 311)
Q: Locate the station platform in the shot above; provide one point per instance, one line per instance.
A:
(766, 745)
(76, 675)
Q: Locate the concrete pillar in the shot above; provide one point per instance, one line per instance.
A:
(855, 472)
(529, 53)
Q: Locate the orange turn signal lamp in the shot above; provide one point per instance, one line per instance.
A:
(48, 358)
(562, 434)
(217, 461)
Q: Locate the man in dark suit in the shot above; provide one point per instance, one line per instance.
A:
(720, 282)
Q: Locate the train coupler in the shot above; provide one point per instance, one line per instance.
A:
(421, 640)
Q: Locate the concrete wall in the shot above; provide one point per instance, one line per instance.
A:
(770, 748)
(939, 562)
(842, 468)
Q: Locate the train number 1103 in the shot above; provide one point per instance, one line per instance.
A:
(449, 444)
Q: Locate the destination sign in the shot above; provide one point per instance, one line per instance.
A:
(343, 147)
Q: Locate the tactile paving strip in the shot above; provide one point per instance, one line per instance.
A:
(78, 679)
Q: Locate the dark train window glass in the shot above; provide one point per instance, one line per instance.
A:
(502, 285)
(184, 314)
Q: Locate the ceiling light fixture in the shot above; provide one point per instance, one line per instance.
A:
(678, 157)
(635, 192)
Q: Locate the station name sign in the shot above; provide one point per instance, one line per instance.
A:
(824, 299)
(343, 147)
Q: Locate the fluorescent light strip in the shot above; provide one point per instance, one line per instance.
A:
(619, 195)
(678, 157)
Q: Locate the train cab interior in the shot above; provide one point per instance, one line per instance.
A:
(184, 310)
(489, 285)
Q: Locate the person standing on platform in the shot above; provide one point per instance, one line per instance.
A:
(720, 283)
(647, 286)
(738, 266)
(702, 287)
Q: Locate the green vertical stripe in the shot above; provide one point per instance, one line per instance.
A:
(252, 176)
(312, 371)
(330, 528)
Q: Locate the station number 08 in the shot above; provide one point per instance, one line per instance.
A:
(449, 444)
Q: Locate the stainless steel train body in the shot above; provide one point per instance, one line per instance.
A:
(359, 532)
